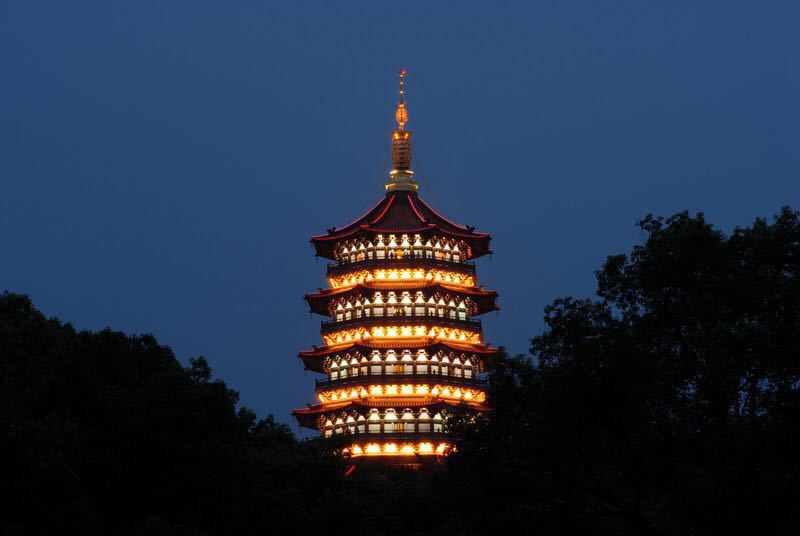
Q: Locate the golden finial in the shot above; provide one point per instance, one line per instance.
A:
(401, 177)
(401, 114)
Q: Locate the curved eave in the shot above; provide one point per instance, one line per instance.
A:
(402, 212)
(485, 299)
(313, 359)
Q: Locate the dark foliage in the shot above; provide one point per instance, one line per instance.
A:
(103, 433)
(667, 406)
(670, 406)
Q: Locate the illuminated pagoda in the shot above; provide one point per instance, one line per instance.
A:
(402, 346)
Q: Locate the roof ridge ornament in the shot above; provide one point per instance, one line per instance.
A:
(401, 177)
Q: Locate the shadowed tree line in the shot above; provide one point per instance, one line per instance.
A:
(669, 404)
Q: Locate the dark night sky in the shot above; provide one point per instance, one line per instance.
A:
(163, 164)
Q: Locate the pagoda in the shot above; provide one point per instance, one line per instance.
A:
(401, 346)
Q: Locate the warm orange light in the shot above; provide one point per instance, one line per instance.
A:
(420, 275)
(422, 389)
(424, 448)
(346, 336)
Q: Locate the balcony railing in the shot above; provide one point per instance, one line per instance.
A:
(383, 379)
(433, 437)
(334, 325)
(336, 268)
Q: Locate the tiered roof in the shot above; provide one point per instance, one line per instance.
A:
(401, 212)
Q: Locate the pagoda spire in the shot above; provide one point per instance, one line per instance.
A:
(401, 177)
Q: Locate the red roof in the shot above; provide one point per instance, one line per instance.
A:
(402, 212)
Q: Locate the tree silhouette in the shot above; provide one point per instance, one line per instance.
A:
(668, 406)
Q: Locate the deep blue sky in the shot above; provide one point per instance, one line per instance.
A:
(163, 164)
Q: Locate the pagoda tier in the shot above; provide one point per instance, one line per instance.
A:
(380, 428)
(413, 299)
(320, 359)
(315, 415)
(402, 344)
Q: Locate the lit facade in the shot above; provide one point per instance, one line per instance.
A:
(401, 343)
